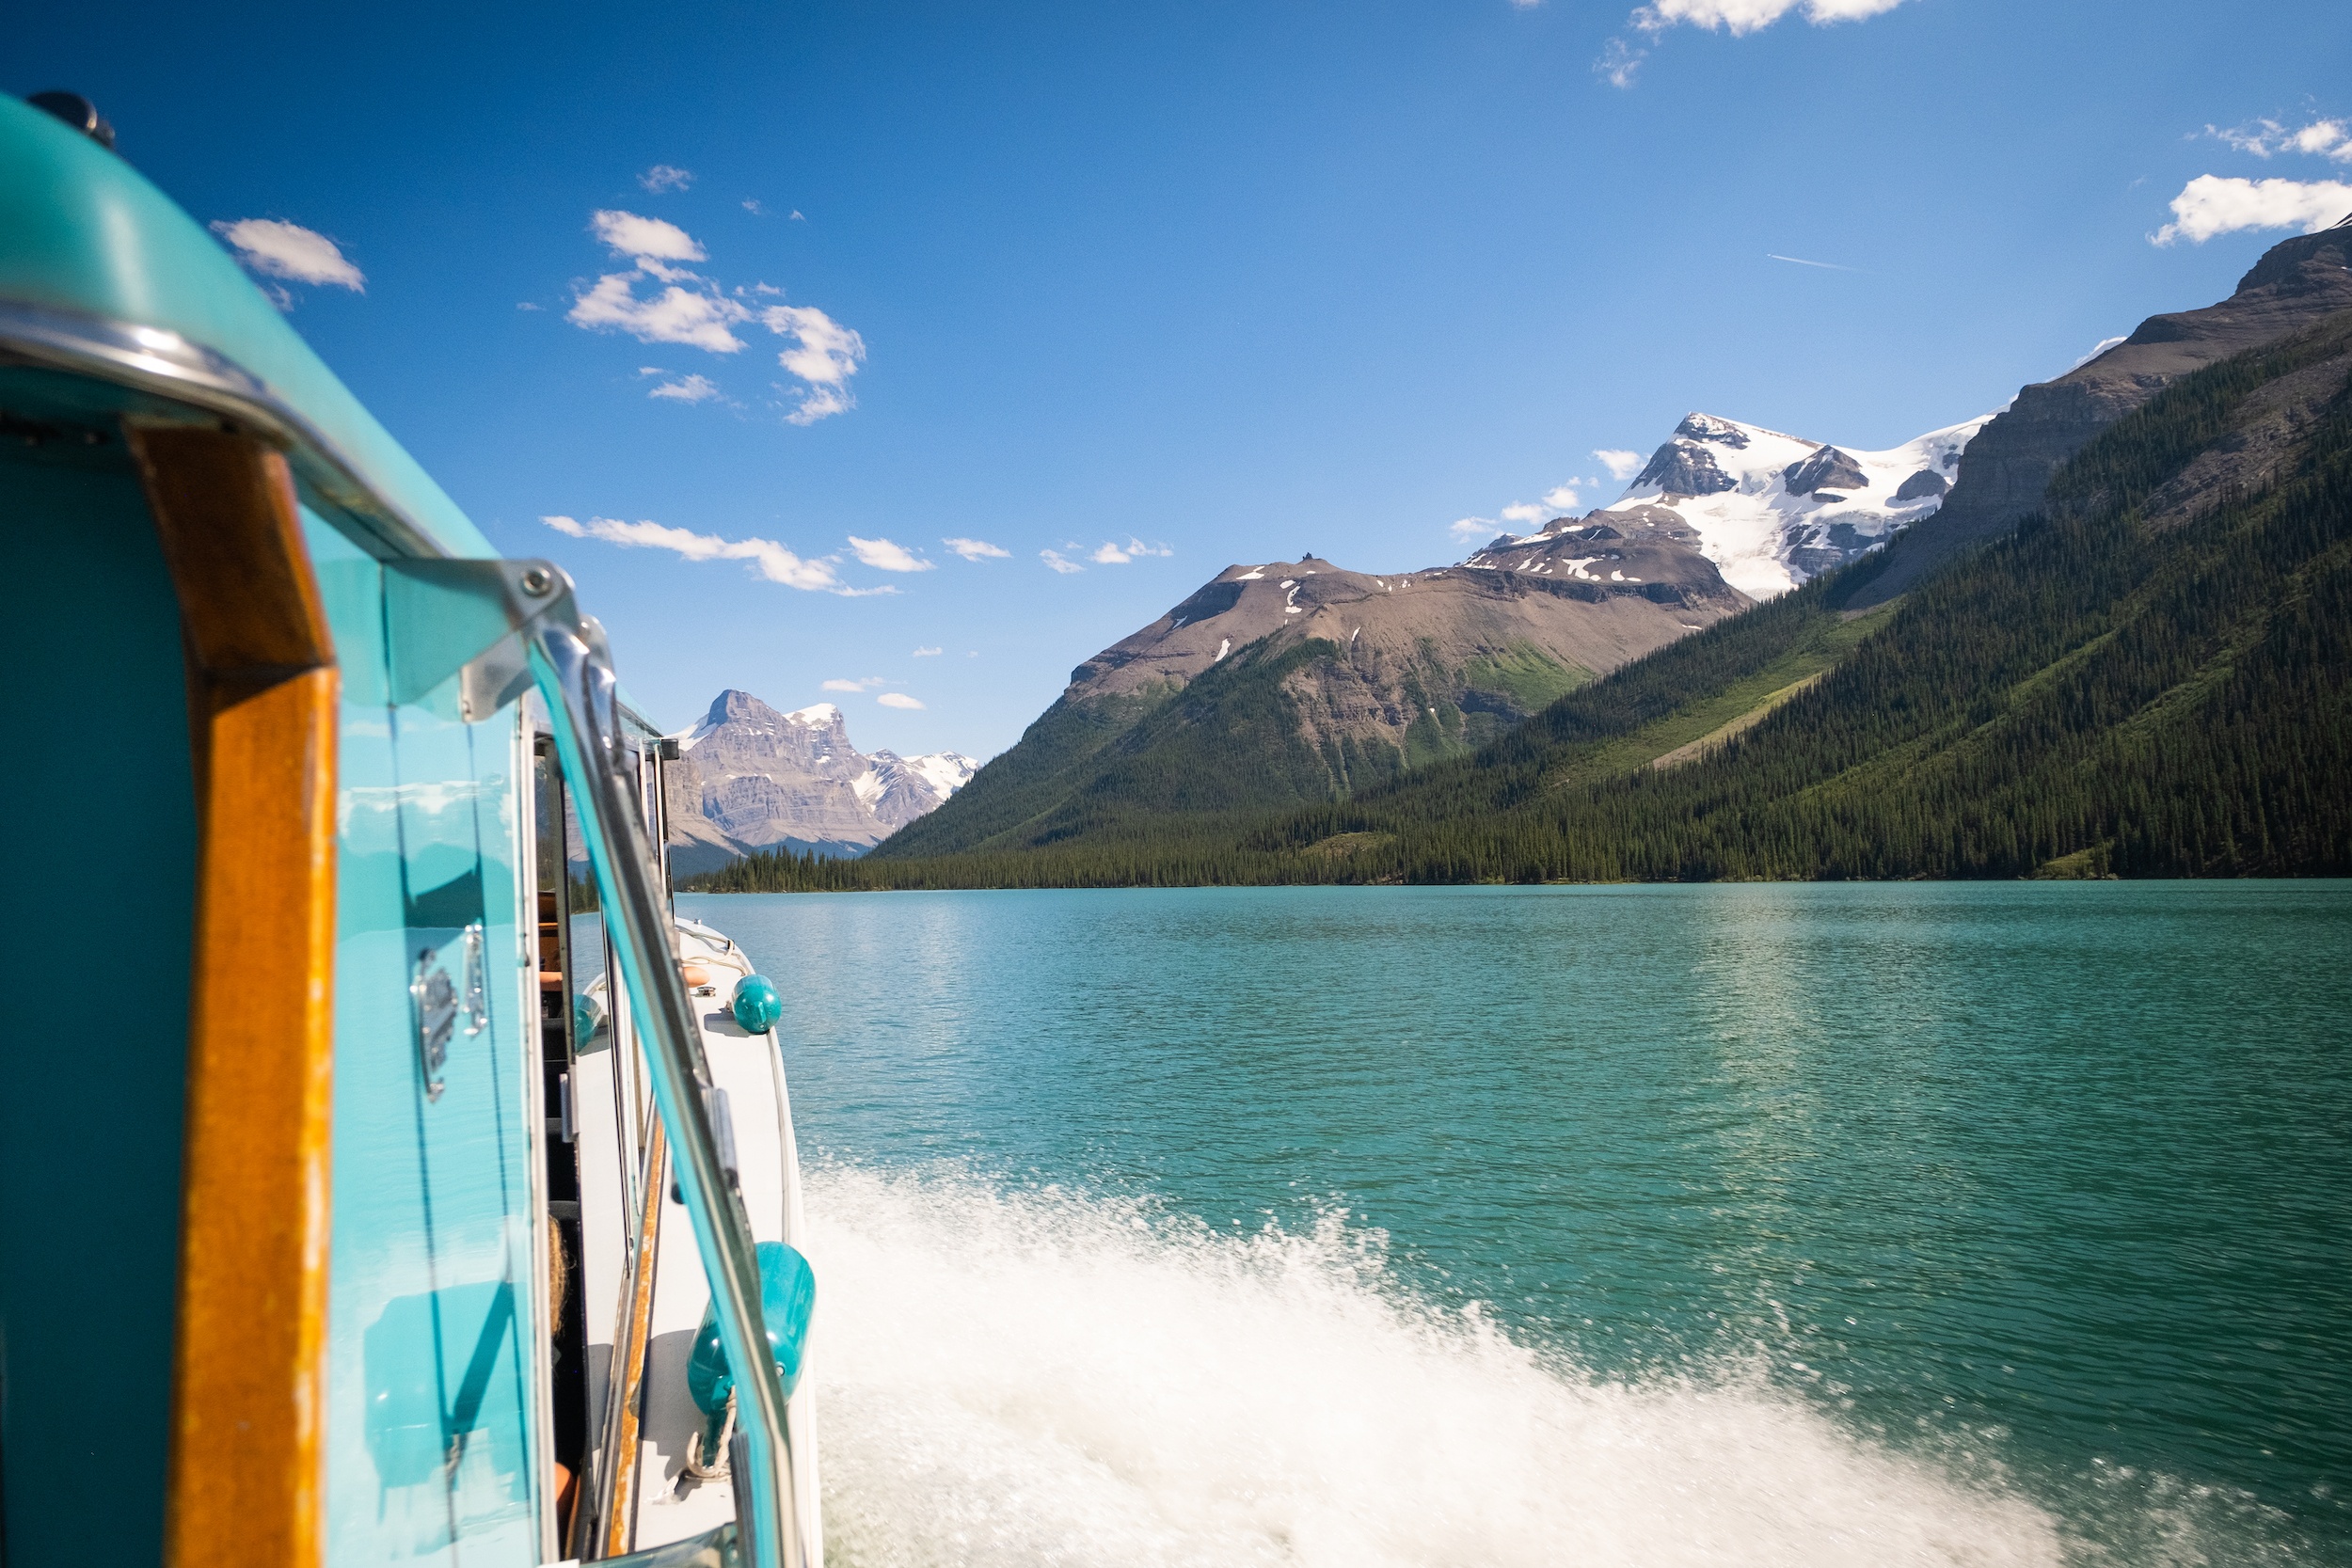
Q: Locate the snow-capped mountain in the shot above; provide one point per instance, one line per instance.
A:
(750, 777)
(1769, 510)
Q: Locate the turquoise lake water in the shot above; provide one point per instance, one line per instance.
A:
(1923, 1223)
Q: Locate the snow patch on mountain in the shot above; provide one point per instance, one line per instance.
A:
(1771, 510)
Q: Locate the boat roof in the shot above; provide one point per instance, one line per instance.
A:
(104, 274)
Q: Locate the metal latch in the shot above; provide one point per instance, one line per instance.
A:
(433, 997)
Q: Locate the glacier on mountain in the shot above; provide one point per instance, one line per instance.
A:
(1769, 509)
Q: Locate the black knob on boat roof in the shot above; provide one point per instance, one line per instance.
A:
(78, 112)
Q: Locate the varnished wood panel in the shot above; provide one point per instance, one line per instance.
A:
(248, 1398)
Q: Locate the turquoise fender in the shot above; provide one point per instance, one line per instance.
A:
(787, 1297)
(757, 1004)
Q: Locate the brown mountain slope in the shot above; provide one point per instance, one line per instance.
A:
(1301, 681)
(2006, 469)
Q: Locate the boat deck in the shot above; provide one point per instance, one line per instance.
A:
(667, 1503)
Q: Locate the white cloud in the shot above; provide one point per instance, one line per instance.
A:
(1619, 60)
(883, 554)
(665, 177)
(675, 315)
(1118, 555)
(927, 653)
(2211, 204)
(1054, 559)
(867, 684)
(641, 237)
(826, 354)
(1748, 16)
(1563, 497)
(2266, 138)
(1521, 511)
(1471, 529)
(796, 216)
(695, 311)
(976, 550)
(769, 559)
(898, 699)
(1621, 465)
(820, 402)
(290, 250)
(751, 205)
(690, 389)
(829, 353)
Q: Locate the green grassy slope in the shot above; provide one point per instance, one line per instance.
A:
(1256, 733)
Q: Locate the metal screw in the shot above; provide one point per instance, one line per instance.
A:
(536, 582)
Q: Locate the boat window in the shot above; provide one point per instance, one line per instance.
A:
(558, 1061)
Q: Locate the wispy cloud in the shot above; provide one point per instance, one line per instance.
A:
(1521, 511)
(1622, 465)
(885, 556)
(665, 177)
(686, 388)
(1471, 529)
(927, 653)
(2266, 138)
(2212, 204)
(898, 699)
(279, 249)
(1826, 266)
(765, 557)
(696, 312)
(1054, 559)
(825, 354)
(865, 684)
(1622, 57)
(976, 550)
(1118, 555)
(1563, 497)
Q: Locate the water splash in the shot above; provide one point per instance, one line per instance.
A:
(1050, 1377)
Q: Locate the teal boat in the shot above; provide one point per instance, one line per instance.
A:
(363, 1204)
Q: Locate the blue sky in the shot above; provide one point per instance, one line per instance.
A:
(1184, 283)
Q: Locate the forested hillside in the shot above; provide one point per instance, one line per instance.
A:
(2151, 677)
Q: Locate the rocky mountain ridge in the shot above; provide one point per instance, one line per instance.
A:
(749, 777)
(1281, 681)
(2004, 472)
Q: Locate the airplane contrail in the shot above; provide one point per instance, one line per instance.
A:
(1802, 262)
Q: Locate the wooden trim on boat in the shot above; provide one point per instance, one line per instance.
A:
(248, 1472)
(624, 1444)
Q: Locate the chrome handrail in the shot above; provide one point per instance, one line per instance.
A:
(474, 607)
(574, 675)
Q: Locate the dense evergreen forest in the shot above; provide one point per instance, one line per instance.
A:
(2150, 678)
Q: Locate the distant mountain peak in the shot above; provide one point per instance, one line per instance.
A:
(751, 777)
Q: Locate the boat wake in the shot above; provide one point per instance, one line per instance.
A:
(1040, 1376)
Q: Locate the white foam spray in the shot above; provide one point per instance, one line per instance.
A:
(1044, 1377)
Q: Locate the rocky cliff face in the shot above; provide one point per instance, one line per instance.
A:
(750, 777)
(2003, 474)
